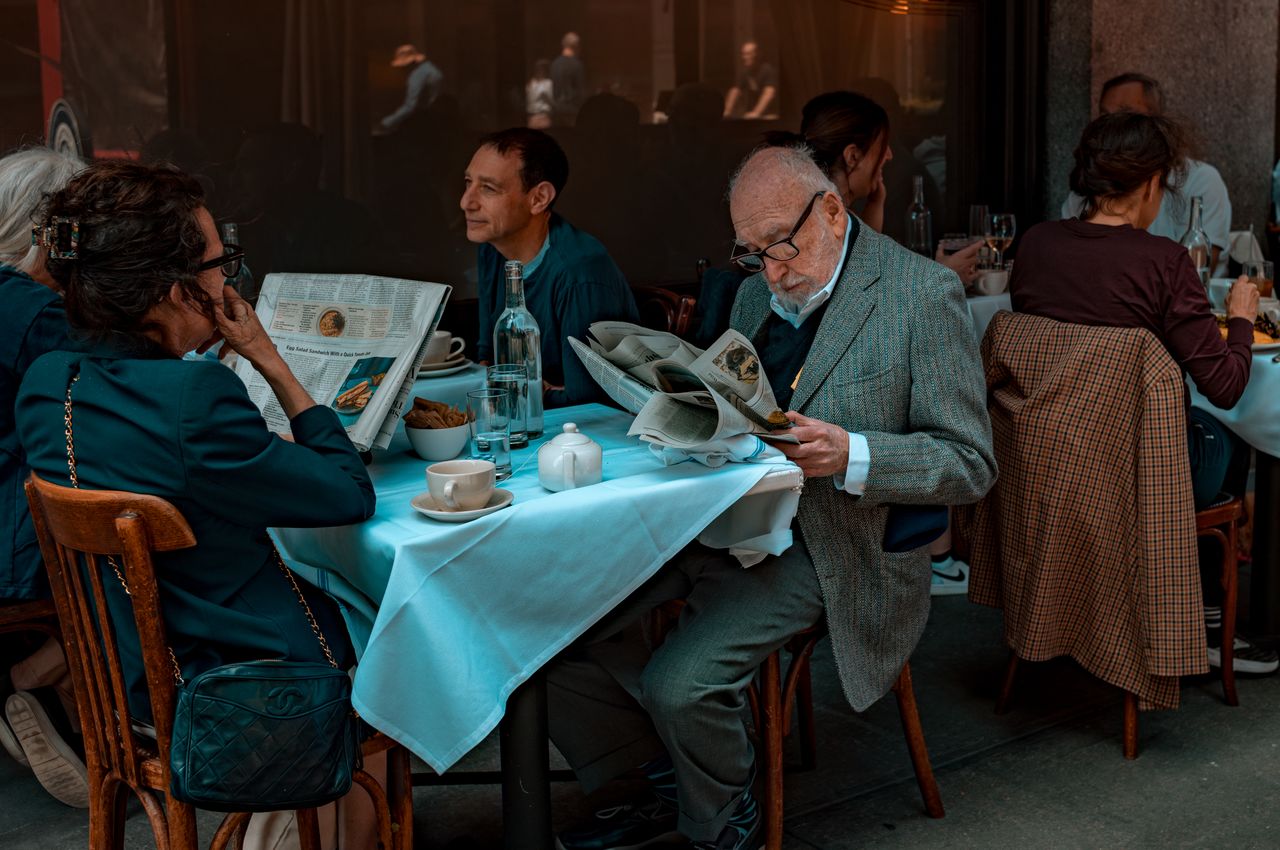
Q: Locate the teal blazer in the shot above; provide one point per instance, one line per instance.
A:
(32, 323)
(186, 431)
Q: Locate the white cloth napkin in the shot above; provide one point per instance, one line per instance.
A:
(744, 448)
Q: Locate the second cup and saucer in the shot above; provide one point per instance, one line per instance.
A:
(444, 356)
(461, 490)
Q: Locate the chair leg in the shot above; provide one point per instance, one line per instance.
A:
(308, 829)
(771, 740)
(400, 789)
(1230, 591)
(1006, 688)
(1130, 725)
(807, 727)
(911, 727)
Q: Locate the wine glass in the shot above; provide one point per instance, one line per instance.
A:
(999, 233)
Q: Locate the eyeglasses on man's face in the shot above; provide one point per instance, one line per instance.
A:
(230, 262)
(782, 250)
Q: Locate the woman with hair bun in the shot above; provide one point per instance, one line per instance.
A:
(144, 275)
(1105, 269)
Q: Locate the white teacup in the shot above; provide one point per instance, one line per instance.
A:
(992, 282)
(461, 485)
(444, 346)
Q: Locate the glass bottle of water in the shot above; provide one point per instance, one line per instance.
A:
(919, 221)
(1197, 243)
(242, 283)
(517, 339)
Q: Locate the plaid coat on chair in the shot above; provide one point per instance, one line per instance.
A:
(1088, 540)
(894, 360)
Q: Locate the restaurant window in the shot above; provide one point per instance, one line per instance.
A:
(280, 108)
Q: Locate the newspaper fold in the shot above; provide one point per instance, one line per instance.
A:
(354, 342)
(682, 396)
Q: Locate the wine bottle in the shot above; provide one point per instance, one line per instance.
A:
(518, 340)
(919, 221)
(1197, 242)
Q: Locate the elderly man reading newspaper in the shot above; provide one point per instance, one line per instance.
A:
(868, 346)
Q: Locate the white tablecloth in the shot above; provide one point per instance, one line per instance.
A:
(467, 612)
(1256, 416)
(983, 307)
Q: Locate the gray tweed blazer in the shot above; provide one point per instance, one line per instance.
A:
(894, 359)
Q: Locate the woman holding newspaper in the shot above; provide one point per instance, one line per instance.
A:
(143, 271)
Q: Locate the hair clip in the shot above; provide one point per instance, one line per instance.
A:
(60, 236)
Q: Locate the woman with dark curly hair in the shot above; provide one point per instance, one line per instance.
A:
(1105, 269)
(139, 260)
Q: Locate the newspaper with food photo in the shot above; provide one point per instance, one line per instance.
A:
(682, 396)
(354, 341)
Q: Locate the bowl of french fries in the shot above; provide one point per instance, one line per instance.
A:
(437, 431)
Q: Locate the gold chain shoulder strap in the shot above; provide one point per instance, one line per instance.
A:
(173, 659)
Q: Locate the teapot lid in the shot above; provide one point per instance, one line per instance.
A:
(571, 436)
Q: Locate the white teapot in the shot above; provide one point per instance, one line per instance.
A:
(569, 460)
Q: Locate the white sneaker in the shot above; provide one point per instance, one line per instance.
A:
(950, 578)
(55, 764)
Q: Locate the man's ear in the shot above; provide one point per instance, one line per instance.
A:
(832, 207)
(540, 197)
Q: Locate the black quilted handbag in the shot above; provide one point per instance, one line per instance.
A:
(264, 735)
(258, 736)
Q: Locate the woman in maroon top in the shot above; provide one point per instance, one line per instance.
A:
(1104, 268)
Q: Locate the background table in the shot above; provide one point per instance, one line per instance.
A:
(983, 307)
(462, 614)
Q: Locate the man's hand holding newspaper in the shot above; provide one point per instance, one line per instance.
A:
(683, 397)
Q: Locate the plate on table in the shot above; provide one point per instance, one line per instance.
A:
(445, 367)
(423, 503)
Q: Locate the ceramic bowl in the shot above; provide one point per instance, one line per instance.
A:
(438, 443)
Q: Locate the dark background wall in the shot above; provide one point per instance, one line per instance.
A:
(1217, 62)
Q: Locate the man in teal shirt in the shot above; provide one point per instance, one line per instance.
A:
(570, 280)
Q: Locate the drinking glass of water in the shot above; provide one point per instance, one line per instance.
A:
(488, 410)
(513, 378)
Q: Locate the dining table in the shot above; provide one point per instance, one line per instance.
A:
(982, 308)
(453, 622)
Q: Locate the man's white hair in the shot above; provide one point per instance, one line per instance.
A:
(26, 178)
(798, 167)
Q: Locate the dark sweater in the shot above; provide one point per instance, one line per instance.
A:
(575, 284)
(1120, 277)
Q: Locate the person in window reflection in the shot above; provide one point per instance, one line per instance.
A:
(755, 92)
(145, 285)
(421, 89)
(570, 281)
(850, 138)
(1131, 92)
(868, 346)
(1108, 268)
(568, 80)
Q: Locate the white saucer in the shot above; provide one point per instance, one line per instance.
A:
(424, 504)
(447, 367)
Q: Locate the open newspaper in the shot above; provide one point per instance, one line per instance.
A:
(354, 342)
(682, 396)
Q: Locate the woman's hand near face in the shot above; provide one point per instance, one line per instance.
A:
(238, 325)
(963, 262)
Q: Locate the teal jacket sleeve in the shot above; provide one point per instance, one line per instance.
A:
(252, 477)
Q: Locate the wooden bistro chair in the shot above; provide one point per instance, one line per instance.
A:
(72, 525)
(772, 697)
(665, 310)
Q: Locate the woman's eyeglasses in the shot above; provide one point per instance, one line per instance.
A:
(782, 250)
(230, 262)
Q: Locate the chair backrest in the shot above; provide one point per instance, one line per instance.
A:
(78, 530)
(665, 310)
